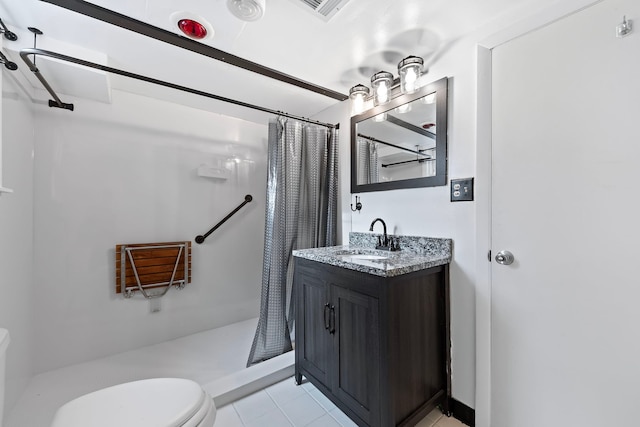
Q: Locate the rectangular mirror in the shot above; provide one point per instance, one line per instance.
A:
(401, 144)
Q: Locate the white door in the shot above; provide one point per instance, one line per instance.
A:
(565, 318)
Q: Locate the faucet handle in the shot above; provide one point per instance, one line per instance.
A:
(394, 246)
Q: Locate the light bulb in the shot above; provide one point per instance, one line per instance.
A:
(381, 84)
(358, 104)
(358, 95)
(380, 117)
(410, 79)
(383, 92)
(403, 108)
(429, 99)
(409, 69)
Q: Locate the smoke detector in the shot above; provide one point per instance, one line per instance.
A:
(247, 10)
(323, 9)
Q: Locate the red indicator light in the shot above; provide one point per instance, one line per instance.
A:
(192, 28)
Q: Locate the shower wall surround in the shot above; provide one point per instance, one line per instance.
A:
(126, 172)
(16, 237)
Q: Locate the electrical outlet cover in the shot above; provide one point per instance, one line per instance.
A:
(462, 190)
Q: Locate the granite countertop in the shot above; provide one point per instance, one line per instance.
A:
(416, 253)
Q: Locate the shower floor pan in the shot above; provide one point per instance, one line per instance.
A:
(215, 359)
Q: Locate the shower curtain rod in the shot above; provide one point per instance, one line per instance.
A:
(370, 138)
(56, 102)
(123, 21)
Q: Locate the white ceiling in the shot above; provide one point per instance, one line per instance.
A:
(364, 37)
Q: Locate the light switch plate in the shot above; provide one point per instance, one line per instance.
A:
(462, 190)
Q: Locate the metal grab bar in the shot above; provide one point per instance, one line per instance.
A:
(199, 239)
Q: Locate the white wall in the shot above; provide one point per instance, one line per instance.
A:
(16, 235)
(126, 173)
(428, 211)
(86, 163)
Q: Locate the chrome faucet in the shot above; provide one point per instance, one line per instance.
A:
(385, 243)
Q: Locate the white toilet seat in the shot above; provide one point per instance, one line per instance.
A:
(158, 402)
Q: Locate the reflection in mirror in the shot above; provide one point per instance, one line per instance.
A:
(398, 145)
(413, 128)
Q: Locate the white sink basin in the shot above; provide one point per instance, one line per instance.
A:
(362, 256)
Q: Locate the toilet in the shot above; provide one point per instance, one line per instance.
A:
(4, 343)
(157, 402)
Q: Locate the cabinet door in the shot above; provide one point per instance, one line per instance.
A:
(355, 376)
(312, 336)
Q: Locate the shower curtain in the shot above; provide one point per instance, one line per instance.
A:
(302, 198)
(368, 171)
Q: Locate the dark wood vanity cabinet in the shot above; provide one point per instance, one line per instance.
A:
(377, 347)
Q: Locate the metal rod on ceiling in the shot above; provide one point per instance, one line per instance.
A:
(56, 102)
(9, 35)
(160, 34)
(10, 65)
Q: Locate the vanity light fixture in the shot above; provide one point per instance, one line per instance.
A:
(381, 84)
(410, 69)
(358, 95)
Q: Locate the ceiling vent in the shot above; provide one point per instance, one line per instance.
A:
(323, 9)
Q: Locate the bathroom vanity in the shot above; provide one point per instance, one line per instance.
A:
(372, 327)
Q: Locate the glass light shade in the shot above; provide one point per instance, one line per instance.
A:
(429, 99)
(405, 108)
(381, 84)
(409, 69)
(358, 95)
(380, 117)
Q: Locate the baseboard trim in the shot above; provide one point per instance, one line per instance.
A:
(463, 413)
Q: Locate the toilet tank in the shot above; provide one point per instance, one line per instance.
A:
(4, 343)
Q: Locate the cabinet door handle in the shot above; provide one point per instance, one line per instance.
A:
(332, 320)
(327, 307)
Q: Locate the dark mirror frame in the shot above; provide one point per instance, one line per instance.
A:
(440, 88)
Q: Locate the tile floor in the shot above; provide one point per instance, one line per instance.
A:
(202, 357)
(285, 404)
